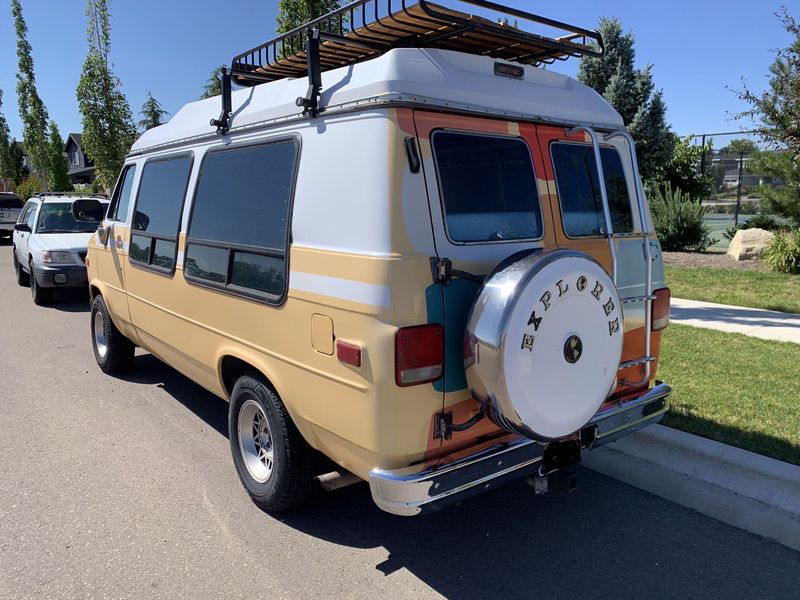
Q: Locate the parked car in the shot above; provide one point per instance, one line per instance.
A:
(49, 244)
(10, 207)
(418, 268)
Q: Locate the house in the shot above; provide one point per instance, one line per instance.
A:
(81, 167)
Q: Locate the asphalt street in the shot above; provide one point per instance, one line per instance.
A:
(125, 488)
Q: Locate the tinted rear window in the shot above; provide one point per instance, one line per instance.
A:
(10, 202)
(488, 187)
(579, 190)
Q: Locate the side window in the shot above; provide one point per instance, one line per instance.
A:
(579, 191)
(488, 187)
(30, 219)
(239, 227)
(118, 210)
(23, 215)
(157, 215)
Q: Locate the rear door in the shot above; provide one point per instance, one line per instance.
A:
(488, 200)
(579, 223)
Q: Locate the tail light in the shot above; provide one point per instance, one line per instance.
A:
(661, 309)
(419, 354)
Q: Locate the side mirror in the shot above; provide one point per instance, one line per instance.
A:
(88, 211)
(22, 227)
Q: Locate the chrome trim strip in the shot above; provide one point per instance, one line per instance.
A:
(636, 361)
(638, 299)
(411, 491)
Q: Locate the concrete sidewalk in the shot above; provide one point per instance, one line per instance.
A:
(765, 324)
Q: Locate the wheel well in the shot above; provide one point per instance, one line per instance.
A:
(232, 368)
(94, 291)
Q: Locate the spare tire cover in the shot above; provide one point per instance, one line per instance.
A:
(544, 341)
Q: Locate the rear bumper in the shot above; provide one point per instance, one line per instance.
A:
(410, 491)
(52, 276)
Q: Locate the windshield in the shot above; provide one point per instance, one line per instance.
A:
(56, 217)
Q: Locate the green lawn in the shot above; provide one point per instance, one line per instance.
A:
(735, 389)
(773, 291)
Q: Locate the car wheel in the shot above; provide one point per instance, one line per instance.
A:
(23, 278)
(273, 460)
(41, 296)
(112, 350)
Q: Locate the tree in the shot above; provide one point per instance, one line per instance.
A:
(6, 166)
(59, 170)
(32, 111)
(294, 13)
(108, 128)
(152, 113)
(682, 173)
(780, 200)
(213, 87)
(778, 108)
(631, 92)
(739, 146)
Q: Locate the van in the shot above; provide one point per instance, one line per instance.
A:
(401, 245)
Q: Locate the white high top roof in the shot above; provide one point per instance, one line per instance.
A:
(439, 78)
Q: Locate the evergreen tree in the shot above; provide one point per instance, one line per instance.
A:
(59, 170)
(108, 128)
(631, 92)
(778, 108)
(152, 113)
(6, 166)
(32, 111)
(213, 86)
(294, 13)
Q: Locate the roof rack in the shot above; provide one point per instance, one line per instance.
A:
(69, 194)
(364, 29)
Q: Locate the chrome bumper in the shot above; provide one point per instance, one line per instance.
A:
(410, 491)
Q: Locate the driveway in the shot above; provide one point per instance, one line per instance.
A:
(124, 488)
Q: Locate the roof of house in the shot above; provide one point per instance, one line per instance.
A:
(77, 138)
(437, 78)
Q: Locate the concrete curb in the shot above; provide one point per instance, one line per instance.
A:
(744, 489)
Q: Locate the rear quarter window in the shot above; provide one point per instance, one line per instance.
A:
(239, 224)
(488, 187)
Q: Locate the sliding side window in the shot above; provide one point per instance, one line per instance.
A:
(579, 190)
(239, 228)
(157, 215)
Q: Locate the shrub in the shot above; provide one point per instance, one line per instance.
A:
(783, 253)
(29, 187)
(767, 222)
(679, 221)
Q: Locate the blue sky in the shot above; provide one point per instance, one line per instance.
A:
(169, 47)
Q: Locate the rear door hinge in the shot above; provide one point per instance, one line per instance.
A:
(444, 426)
(441, 270)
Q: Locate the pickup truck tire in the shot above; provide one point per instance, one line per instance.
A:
(273, 460)
(112, 350)
(23, 278)
(41, 296)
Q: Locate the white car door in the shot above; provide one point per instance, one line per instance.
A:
(21, 237)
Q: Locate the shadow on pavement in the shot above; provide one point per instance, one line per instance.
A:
(605, 540)
(208, 407)
(742, 316)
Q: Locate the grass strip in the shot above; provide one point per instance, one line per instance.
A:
(771, 291)
(734, 389)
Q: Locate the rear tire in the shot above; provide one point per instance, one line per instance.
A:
(41, 296)
(112, 350)
(274, 462)
(23, 279)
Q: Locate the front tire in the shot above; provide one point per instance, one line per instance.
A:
(23, 279)
(112, 350)
(274, 462)
(41, 296)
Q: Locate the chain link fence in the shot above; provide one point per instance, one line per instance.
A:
(736, 186)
